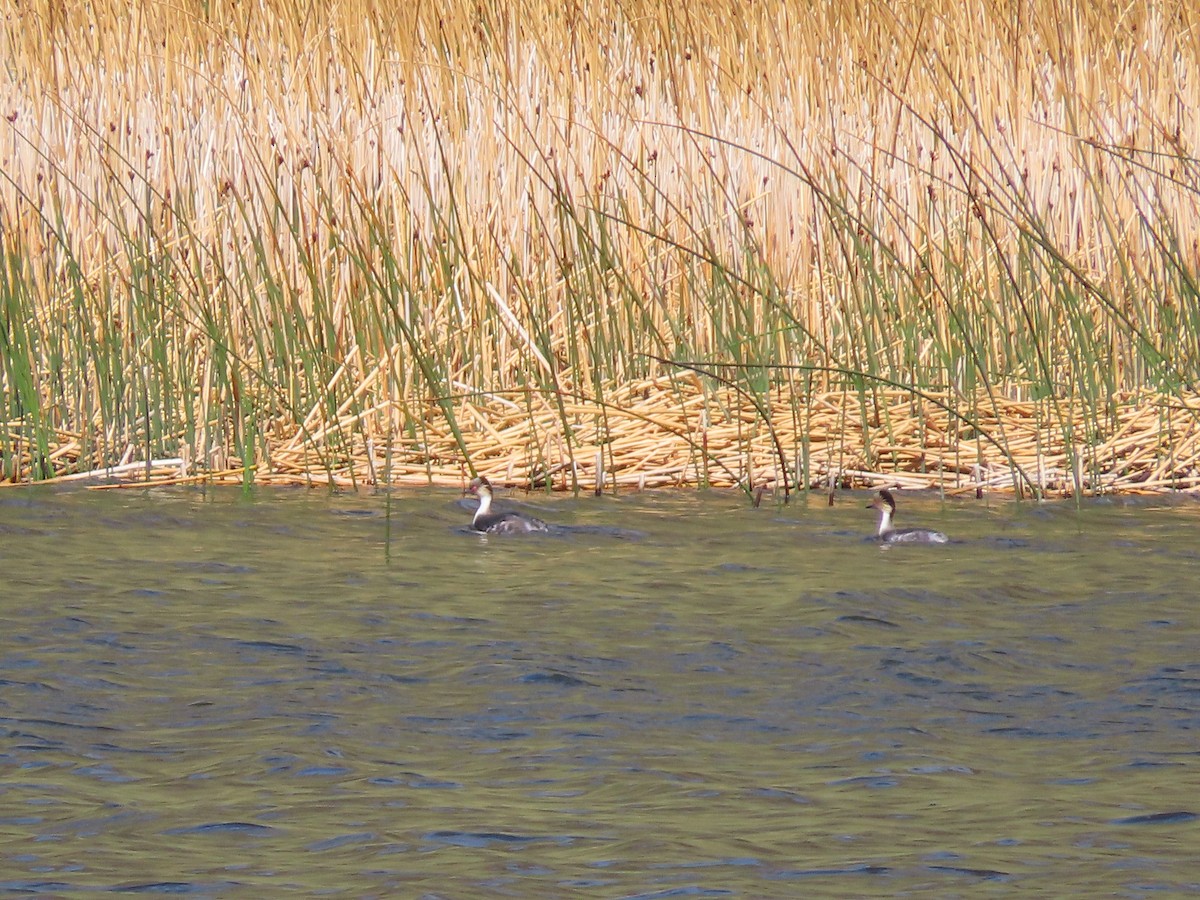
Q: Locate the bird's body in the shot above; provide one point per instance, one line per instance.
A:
(489, 522)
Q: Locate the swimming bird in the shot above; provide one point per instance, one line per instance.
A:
(490, 522)
(889, 534)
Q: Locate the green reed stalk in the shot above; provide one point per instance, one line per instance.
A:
(24, 423)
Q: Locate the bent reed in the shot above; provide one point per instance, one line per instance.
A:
(637, 244)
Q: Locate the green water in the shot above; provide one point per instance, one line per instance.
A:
(295, 693)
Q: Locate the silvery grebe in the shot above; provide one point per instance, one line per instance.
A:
(500, 522)
(889, 534)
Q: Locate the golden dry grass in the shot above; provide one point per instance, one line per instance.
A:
(564, 190)
(665, 433)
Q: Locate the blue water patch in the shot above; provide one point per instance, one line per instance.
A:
(584, 883)
(415, 780)
(870, 781)
(479, 839)
(1153, 763)
(171, 887)
(866, 620)
(272, 646)
(983, 874)
(688, 891)
(103, 773)
(224, 828)
(215, 567)
(1176, 817)
(834, 872)
(322, 771)
(36, 887)
(555, 679)
(343, 840)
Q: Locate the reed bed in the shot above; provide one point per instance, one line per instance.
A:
(604, 245)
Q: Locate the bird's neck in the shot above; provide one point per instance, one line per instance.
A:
(485, 503)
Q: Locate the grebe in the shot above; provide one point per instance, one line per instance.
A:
(501, 522)
(889, 534)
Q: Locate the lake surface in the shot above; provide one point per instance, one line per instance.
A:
(293, 692)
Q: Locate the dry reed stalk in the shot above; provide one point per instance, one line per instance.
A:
(669, 459)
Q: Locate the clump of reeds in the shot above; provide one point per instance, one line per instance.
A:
(732, 244)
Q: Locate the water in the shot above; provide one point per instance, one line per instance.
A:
(220, 695)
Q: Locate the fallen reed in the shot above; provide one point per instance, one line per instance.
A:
(951, 245)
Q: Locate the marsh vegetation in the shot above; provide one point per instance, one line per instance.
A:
(725, 243)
